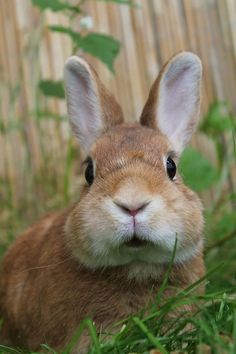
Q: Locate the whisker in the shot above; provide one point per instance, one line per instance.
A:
(48, 265)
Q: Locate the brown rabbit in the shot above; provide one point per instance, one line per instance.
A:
(105, 256)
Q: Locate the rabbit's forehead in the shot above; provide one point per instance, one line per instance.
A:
(131, 141)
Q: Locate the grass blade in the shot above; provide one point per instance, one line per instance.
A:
(150, 336)
(87, 323)
(167, 274)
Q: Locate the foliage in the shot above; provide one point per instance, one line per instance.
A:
(218, 120)
(102, 46)
(52, 88)
(211, 329)
(199, 174)
(55, 5)
(99, 45)
(121, 2)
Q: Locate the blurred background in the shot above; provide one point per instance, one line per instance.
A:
(127, 42)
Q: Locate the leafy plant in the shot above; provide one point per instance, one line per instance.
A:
(218, 120)
(121, 2)
(52, 88)
(56, 5)
(199, 174)
(99, 45)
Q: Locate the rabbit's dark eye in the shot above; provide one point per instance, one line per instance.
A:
(89, 171)
(170, 167)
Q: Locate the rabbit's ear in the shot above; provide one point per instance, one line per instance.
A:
(92, 109)
(174, 101)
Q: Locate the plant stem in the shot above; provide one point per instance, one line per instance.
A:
(222, 241)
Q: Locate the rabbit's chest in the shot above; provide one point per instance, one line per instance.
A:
(131, 303)
(119, 306)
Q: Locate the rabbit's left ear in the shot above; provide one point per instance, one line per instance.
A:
(173, 104)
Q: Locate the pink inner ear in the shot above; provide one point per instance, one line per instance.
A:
(177, 89)
(83, 102)
(178, 103)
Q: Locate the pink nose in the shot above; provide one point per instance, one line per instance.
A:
(131, 210)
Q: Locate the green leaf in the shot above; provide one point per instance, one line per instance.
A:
(224, 226)
(234, 141)
(75, 36)
(55, 5)
(101, 46)
(2, 127)
(86, 323)
(152, 339)
(121, 2)
(48, 349)
(4, 349)
(52, 88)
(217, 120)
(197, 171)
(48, 115)
(10, 126)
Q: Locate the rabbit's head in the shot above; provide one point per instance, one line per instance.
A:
(134, 203)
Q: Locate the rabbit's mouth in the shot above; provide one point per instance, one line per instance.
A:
(136, 242)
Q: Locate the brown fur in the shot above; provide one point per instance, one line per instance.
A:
(46, 289)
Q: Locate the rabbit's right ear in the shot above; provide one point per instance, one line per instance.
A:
(173, 104)
(92, 109)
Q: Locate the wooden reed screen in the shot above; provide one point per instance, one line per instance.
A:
(149, 34)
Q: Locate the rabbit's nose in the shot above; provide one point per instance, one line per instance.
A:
(132, 210)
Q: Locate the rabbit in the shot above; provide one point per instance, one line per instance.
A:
(105, 256)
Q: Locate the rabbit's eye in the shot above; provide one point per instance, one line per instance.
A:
(89, 171)
(170, 167)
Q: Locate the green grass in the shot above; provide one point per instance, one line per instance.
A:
(212, 326)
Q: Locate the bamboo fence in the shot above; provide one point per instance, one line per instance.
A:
(149, 34)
